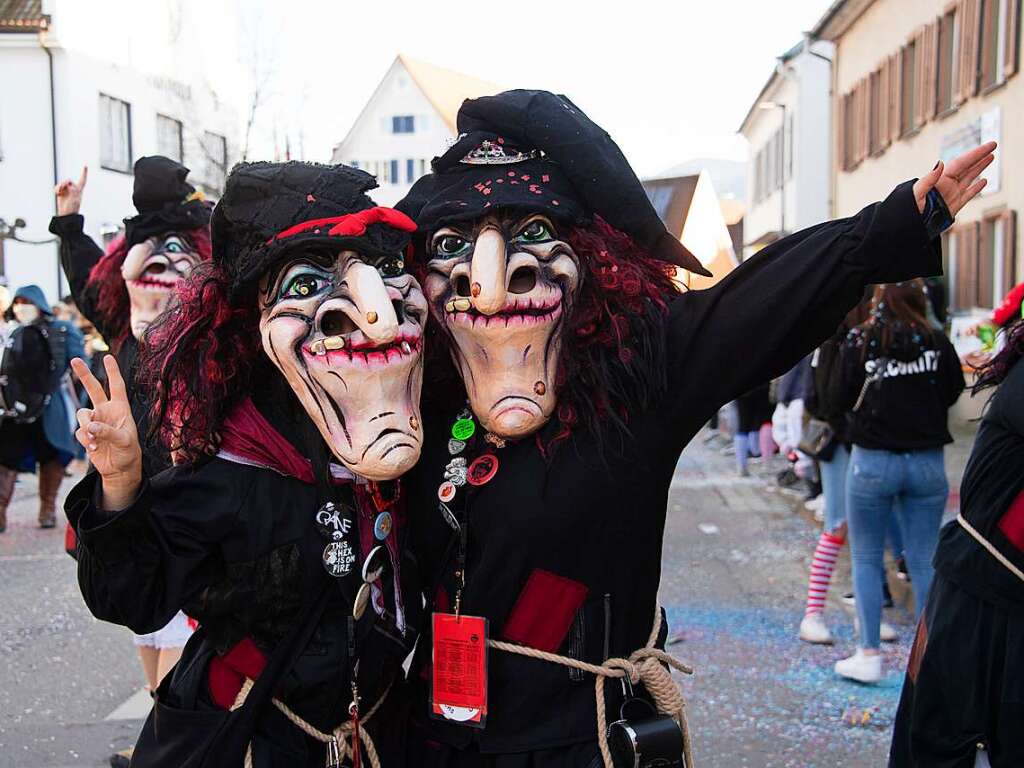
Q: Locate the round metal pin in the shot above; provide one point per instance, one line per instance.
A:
(382, 525)
(482, 469)
(361, 601)
(373, 565)
(463, 429)
(446, 492)
(456, 446)
(338, 558)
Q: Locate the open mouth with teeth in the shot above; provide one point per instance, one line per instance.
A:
(338, 349)
(518, 312)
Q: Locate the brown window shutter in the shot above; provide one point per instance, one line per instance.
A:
(931, 81)
(970, 30)
(883, 104)
(920, 74)
(895, 95)
(986, 264)
(1012, 50)
(863, 115)
(841, 133)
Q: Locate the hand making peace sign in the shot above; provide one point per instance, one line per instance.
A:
(108, 433)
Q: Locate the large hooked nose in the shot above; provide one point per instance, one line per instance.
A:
(376, 314)
(488, 272)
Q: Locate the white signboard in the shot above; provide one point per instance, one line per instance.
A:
(987, 127)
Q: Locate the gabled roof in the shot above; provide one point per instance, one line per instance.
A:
(444, 88)
(22, 16)
(671, 198)
(838, 18)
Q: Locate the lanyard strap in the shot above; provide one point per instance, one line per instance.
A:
(990, 547)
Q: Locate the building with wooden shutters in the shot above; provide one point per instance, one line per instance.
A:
(919, 80)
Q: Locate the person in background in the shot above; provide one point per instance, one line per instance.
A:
(48, 442)
(787, 427)
(961, 697)
(753, 437)
(824, 403)
(899, 377)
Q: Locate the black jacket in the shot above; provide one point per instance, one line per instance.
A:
(908, 388)
(596, 523)
(237, 548)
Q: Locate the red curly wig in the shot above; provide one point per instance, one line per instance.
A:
(111, 293)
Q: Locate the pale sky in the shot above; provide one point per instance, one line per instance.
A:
(668, 80)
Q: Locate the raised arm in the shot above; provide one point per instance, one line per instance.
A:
(779, 305)
(78, 252)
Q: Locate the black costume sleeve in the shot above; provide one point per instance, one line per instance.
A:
(778, 306)
(139, 566)
(78, 255)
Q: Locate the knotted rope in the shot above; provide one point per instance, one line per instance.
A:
(340, 738)
(648, 665)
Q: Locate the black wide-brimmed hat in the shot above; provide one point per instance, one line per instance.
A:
(164, 200)
(537, 151)
(270, 209)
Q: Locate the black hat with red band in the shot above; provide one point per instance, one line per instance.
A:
(537, 151)
(269, 210)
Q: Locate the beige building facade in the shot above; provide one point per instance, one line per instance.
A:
(918, 80)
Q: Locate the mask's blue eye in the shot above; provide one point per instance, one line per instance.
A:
(303, 285)
(537, 231)
(173, 245)
(447, 246)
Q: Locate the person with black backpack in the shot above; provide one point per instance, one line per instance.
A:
(36, 413)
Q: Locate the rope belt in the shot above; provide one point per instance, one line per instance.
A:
(990, 547)
(340, 742)
(648, 665)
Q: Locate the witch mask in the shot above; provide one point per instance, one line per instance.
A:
(151, 271)
(501, 287)
(346, 332)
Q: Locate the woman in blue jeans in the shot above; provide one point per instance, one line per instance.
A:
(899, 377)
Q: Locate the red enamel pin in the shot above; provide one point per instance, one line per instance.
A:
(482, 469)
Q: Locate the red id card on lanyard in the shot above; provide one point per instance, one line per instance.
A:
(459, 677)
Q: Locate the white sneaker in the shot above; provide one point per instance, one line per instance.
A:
(813, 629)
(886, 631)
(816, 504)
(861, 667)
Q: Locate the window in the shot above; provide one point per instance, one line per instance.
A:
(789, 145)
(115, 134)
(169, 138)
(383, 172)
(410, 171)
(394, 172)
(423, 167)
(402, 124)
(983, 261)
(947, 62)
(215, 147)
(908, 86)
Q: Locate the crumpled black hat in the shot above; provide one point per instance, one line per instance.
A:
(164, 200)
(536, 150)
(270, 209)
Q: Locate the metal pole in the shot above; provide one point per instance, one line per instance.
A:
(53, 145)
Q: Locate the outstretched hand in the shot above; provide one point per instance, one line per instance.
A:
(957, 181)
(69, 194)
(108, 433)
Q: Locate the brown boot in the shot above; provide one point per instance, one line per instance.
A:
(7, 480)
(50, 476)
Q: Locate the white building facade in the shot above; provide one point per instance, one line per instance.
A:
(789, 128)
(102, 114)
(408, 121)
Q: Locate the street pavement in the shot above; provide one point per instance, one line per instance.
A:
(734, 577)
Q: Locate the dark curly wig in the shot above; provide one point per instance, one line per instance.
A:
(111, 293)
(198, 361)
(612, 358)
